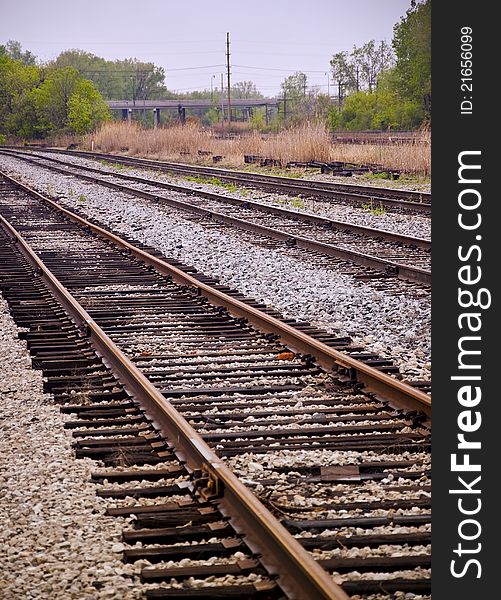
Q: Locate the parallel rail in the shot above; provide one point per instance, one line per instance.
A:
(300, 576)
(297, 576)
(389, 198)
(401, 268)
(329, 358)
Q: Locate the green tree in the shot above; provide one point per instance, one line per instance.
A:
(17, 110)
(381, 109)
(86, 107)
(67, 101)
(98, 70)
(258, 119)
(119, 79)
(398, 86)
(412, 45)
(53, 95)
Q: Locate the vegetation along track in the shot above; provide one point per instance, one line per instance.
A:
(387, 198)
(382, 251)
(157, 366)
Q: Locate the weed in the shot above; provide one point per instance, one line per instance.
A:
(82, 198)
(377, 211)
(113, 165)
(231, 187)
(195, 178)
(213, 181)
(297, 202)
(381, 175)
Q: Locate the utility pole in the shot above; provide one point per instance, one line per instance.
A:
(229, 77)
(222, 105)
(285, 105)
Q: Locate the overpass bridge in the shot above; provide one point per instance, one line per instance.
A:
(244, 104)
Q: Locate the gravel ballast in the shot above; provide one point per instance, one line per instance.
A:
(393, 324)
(55, 541)
(370, 216)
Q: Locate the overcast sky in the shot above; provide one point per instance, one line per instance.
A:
(269, 39)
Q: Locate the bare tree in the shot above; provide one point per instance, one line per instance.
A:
(372, 58)
(245, 89)
(343, 74)
(14, 50)
(295, 85)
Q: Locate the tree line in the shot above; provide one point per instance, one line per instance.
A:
(38, 100)
(381, 87)
(374, 86)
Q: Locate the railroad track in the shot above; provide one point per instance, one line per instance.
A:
(389, 198)
(158, 367)
(393, 254)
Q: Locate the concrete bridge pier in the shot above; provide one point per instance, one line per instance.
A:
(127, 114)
(156, 117)
(181, 111)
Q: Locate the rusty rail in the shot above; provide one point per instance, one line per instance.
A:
(407, 272)
(300, 576)
(390, 198)
(392, 389)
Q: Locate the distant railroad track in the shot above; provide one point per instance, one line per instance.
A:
(389, 198)
(394, 254)
(379, 137)
(167, 367)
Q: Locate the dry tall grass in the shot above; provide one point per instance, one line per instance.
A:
(408, 157)
(301, 144)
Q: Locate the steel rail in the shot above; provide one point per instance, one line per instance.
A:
(276, 210)
(390, 197)
(299, 575)
(382, 385)
(406, 272)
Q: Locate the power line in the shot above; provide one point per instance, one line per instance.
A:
(193, 68)
(124, 43)
(254, 53)
(281, 42)
(254, 75)
(147, 70)
(275, 69)
(135, 71)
